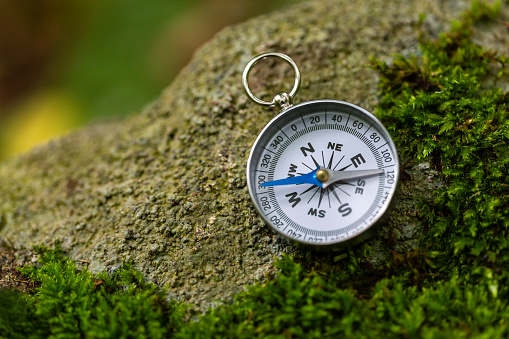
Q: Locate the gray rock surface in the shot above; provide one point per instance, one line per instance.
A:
(166, 188)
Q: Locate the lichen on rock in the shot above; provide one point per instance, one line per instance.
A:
(166, 188)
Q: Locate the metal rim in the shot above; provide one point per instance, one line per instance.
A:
(250, 65)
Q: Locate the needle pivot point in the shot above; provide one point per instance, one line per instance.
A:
(322, 175)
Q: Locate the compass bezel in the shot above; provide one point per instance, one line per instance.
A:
(306, 108)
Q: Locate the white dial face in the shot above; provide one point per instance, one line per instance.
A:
(331, 135)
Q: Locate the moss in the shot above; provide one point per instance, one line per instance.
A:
(463, 127)
(73, 303)
(299, 304)
(67, 302)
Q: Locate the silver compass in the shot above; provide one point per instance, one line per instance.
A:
(322, 173)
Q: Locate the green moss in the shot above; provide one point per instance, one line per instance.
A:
(68, 303)
(299, 304)
(437, 107)
(72, 303)
(441, 107)
(17, 318)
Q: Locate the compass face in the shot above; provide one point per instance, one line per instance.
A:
(332, 135)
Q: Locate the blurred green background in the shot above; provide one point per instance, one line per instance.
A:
(65, 63)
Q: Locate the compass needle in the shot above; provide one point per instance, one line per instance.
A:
(347, 174)
(308, 178)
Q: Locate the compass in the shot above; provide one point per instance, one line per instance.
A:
(321, 173)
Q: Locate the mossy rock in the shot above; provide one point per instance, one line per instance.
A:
(166, 188)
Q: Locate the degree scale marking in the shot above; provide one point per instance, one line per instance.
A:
(301, 131)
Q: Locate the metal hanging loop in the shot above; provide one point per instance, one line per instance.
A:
(277, 101)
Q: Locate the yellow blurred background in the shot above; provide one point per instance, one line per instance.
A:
(64, 63)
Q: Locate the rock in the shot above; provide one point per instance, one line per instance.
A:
(166, 188)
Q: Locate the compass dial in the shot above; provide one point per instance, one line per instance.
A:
(323, 173)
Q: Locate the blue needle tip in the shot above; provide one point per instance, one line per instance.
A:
(308, 178)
